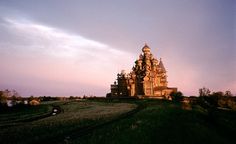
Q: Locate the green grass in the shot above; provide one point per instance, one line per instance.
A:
(54, 129)
(161, 122)
(19, 114)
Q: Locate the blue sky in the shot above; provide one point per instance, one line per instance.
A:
(62, 48)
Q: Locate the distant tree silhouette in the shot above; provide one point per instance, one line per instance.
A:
(228, 93)
(204, 91)
(3, 99)
(15, 97)
(211, 100)
(31, 98)
(11, 95)
(214, 98)
(177, 96)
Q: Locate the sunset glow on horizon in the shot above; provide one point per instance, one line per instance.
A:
(49, 48)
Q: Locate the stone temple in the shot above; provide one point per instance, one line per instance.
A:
(147, 79)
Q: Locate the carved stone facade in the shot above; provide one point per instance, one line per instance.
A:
(147, 79)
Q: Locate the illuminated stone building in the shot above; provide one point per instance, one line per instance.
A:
(147, 79)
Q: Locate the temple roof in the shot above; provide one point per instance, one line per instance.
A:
(162, 65)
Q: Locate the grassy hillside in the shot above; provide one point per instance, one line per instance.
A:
(166, 123)
(124, 122)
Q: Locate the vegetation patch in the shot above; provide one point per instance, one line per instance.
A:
(74, 116)
(163, 122)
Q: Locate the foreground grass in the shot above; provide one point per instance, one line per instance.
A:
(55, 129)
(166, 123)
(16, 115)
(155, 122)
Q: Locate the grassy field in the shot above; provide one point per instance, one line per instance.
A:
(16, 116)
(120, 122)
(54, 129)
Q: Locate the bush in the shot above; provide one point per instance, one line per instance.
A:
(177, 96)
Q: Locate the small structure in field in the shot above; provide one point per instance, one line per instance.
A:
(34, 102)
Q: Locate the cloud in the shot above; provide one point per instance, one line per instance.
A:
(54, 41)
(46, 53)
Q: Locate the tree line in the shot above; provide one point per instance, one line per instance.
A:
(216, 99)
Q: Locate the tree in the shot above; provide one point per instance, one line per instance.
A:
(228, 93)
(31, 98)
(3, 99)
(15, 97)
(177, 96)
(204, 91)
(215, 97)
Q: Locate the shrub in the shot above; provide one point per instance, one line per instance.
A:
(177, 96)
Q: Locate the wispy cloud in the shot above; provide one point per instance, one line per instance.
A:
(60, 56)
(43, 39)
(54, 41)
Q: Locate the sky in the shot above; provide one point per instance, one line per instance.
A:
(77, 47)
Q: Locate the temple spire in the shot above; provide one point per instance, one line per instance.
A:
(162, 65)
(146, 48)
